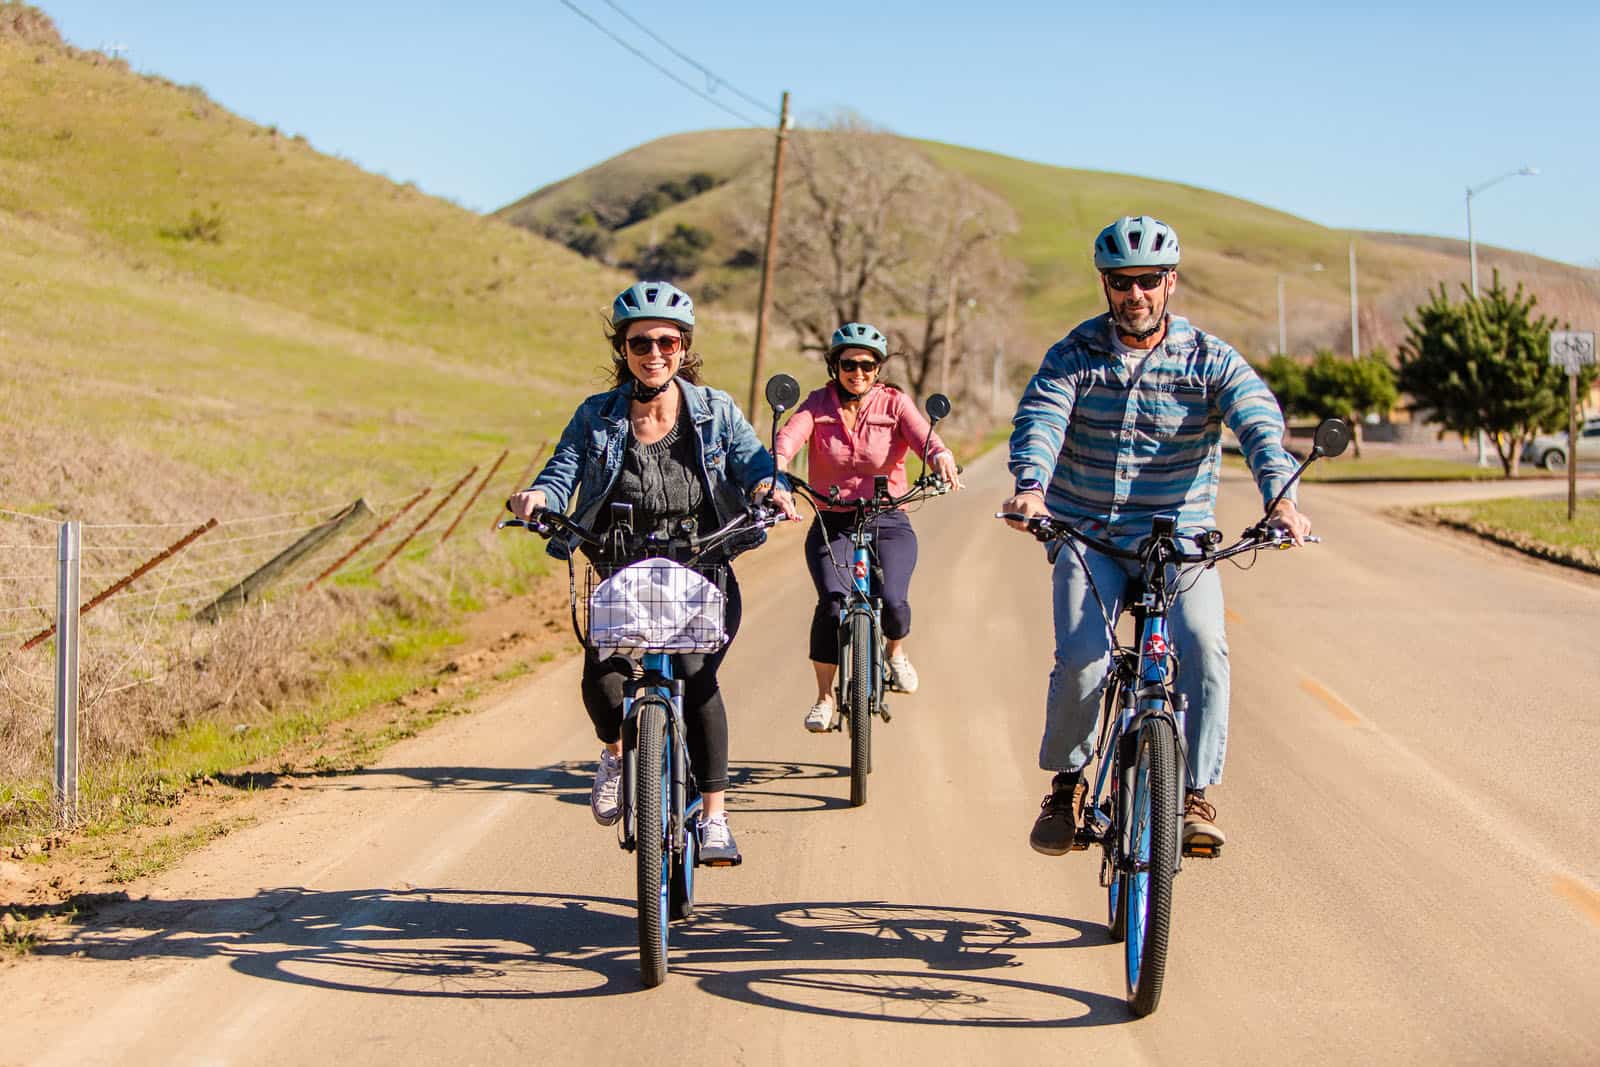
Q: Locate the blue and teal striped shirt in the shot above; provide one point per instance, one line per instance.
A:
(1114, 451)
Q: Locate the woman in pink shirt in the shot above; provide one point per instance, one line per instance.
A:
(858, 428)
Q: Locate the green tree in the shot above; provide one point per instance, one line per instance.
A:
(1286, 377)
(1484, 364)
(1350, 389)
(678, 256)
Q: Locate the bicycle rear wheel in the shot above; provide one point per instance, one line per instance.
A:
(1152, 837)
(654, 874)
(859, 707)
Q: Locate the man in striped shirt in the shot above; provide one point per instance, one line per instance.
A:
(1123, 422)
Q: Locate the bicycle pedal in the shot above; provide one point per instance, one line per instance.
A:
(1203, 852)
(736, 861)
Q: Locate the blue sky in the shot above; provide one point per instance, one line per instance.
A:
(1363, 115)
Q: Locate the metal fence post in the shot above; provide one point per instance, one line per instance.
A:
(67, 600)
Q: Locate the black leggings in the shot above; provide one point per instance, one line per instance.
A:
(894, 549)
(703, 712)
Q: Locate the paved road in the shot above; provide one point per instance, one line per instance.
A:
(1411, 876)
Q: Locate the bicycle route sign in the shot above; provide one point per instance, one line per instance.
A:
(1571, 349)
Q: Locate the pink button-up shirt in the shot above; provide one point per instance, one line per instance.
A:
(887, 425)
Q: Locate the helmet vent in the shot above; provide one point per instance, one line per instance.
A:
(1134, 237)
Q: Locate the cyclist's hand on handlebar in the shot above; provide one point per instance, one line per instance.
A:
(1289, 519)
(944, 465)
(1030, 504)
(525, 503)
(778, 497)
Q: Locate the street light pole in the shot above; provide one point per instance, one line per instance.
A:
(1283, 331)
(1472, 265)
(1283, 328)
(1472, 245)
(1355, 318)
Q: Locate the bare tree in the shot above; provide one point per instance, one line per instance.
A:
(874, 231)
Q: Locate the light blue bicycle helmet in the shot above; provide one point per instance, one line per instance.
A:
(858, 335)
(1136, 241)
(652, 300)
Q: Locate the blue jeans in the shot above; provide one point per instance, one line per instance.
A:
(1083, 661)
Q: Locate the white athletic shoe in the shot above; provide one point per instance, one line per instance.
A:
(819, 720)
(717, 847)
(902, 675)
(604, 798)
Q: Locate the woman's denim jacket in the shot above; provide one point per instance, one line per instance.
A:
(588, 458)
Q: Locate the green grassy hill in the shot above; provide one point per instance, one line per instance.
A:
(234, 315)
(1233, 249)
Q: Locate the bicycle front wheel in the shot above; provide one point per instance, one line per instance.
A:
(859, 707)
(655, 875)
(1152, 860)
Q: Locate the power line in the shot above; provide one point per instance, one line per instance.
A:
(714, 78)
(704, 96)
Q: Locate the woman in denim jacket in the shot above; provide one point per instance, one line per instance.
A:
(673, 449)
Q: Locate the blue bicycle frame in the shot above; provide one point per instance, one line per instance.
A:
(671, 778)
(867, 604)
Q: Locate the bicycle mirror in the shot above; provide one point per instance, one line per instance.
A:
(938, 406)
(1332, 437)
(783, 392)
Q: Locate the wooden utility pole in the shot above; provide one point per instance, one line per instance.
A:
(765, 304)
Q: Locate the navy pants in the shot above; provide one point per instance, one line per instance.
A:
(894, 549)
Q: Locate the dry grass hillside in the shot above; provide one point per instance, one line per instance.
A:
(204, 317)
(1233, 249)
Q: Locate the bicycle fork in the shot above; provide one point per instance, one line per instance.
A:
(655, 683)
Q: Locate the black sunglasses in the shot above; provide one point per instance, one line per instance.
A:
(1123, 282)
(857, 364)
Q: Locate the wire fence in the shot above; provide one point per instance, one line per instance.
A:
(151, 599)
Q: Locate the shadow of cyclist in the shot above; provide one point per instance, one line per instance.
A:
(916, 964)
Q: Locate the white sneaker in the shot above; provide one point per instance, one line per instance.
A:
(819, 720)
(902, 675)
(604, 798)
(717, 847)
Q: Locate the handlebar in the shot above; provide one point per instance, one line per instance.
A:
(927, 486)
(547, 523)
(1255, 538)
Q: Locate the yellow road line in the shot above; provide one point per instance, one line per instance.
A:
(1341, 711)
(1586, 899)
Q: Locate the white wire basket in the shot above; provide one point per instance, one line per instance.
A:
(654, 605)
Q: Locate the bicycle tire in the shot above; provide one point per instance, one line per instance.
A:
(682, 899)
(859, 708)
(654, 862)
(1153, 852)
(1116, 806)
(1117, 908)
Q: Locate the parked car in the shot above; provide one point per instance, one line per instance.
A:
(1549, 450)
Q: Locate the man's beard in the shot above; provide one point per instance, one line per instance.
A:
(1138, 321)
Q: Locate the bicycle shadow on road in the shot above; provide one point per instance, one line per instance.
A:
(759, 786)
(903, 963)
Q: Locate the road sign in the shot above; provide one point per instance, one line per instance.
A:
(1571, 349)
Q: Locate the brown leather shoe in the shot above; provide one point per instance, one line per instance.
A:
(1201, 836)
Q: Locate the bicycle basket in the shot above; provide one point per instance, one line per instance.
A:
(654, 605)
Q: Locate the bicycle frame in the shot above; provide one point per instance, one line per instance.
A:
(657, 681)
(1142, 681)
(862, 602)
